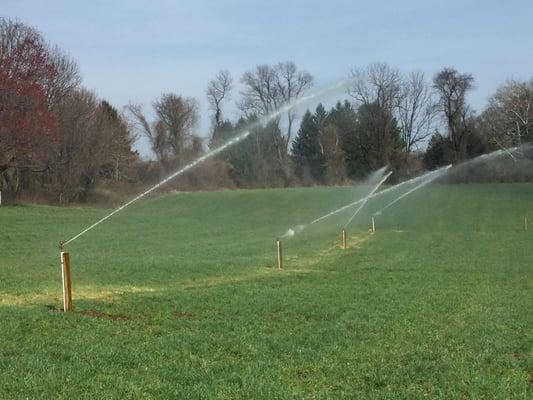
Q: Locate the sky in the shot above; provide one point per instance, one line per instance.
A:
(133, 51)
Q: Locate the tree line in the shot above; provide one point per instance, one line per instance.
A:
(62, 143)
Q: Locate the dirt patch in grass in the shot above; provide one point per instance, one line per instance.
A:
(183, 314)
(95, 314)
(54, 308)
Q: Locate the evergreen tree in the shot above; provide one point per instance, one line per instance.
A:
(307, 154)
(439, 151)
(241, 158)
(256, 160)
(222, 132)
(344, 117)
(368, 148)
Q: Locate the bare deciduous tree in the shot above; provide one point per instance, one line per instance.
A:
(171, 134)
(139, 123)
(179, 116)
(452, 87)
(218, 90)
(330, 146)
(378, 88)
(267, 88)
(416, 110)
(66, 79)
(378, 84)
(509, 114)
(94, 139)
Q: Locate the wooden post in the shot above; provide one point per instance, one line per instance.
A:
(373, 225)
(344, 239)
(280, 254)
(67, 282)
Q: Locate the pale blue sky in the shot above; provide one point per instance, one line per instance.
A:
(135, 50)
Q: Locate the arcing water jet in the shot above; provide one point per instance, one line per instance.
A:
(365, 200)
(412, 180)
(167, 179)
(238, 138)
(430, 179)
(424, 179)
(442, 171)
(299, 228)
(293, 231)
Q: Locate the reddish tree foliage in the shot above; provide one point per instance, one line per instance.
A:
(27, 126)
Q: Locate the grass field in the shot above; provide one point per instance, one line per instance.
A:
(178, 297)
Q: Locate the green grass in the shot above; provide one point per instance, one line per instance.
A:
(178, 297)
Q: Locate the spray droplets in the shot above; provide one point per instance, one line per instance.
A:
(231, 142)
(293, 231)
(288, 234)
(364, 200)
(420, 181)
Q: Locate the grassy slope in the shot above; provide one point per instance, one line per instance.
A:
(437, 303)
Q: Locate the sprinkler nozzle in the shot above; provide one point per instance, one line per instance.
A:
(61, 244)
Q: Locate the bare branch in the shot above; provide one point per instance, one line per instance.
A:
(267, 88)
(416, 110)
(217, 91)
(452, 87)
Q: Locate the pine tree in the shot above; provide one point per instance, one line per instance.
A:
(365, 145)
(307, 155)
(344, 118)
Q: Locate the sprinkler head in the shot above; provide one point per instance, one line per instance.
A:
(61, 244)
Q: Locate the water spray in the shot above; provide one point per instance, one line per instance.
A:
(299, 228)
(373, 228)
(434, 175)
(365, 200)
(497, 153)
(312, 94)
(293, 231)
(384, 191)
(236, 139)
